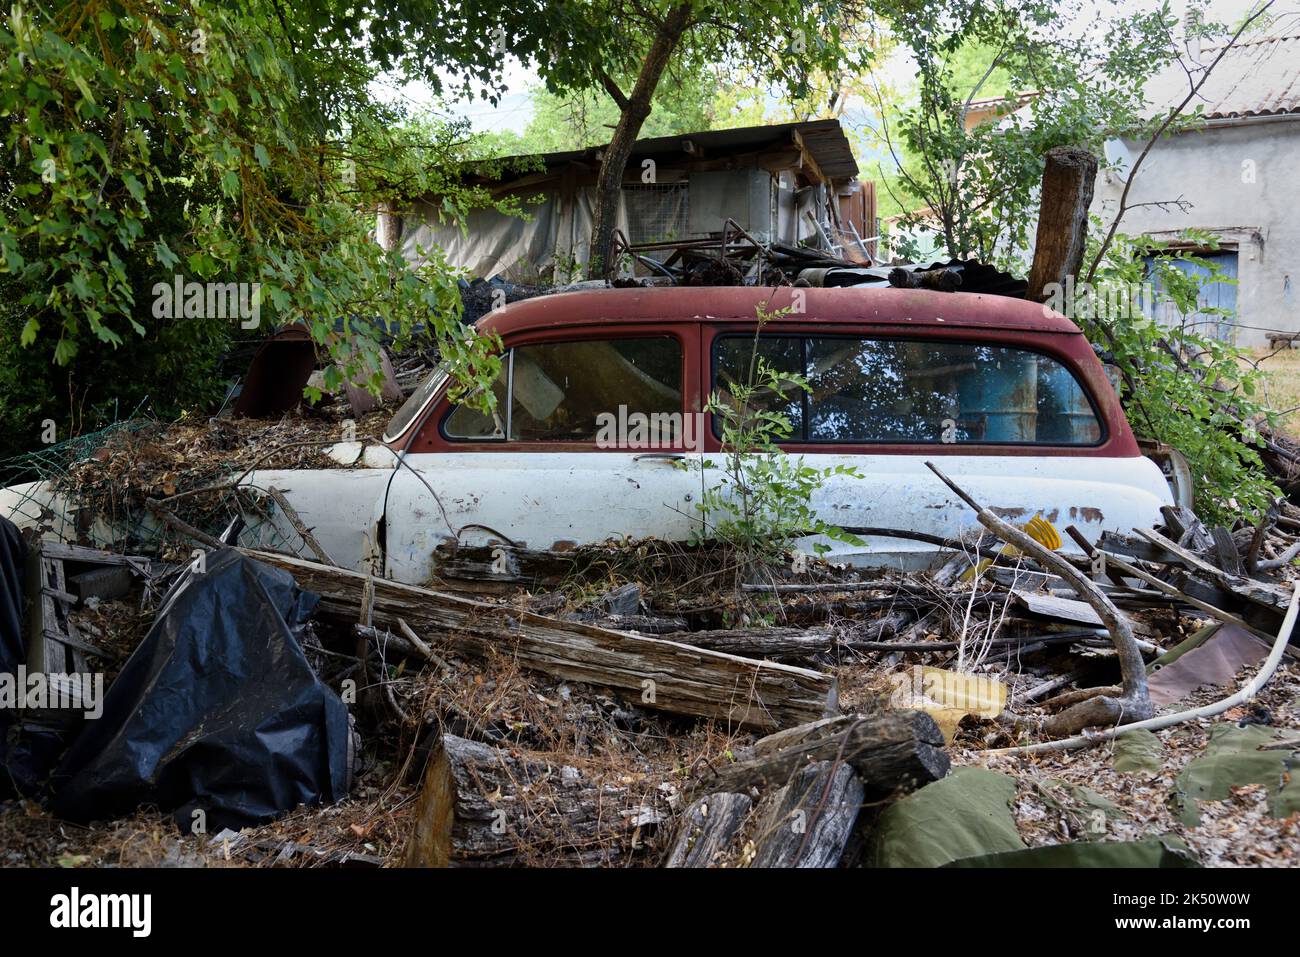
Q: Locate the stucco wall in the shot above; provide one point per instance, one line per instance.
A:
(1212, 170)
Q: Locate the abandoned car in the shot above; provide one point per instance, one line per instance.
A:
(600, 426)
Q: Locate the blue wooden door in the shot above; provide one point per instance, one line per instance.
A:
(1215, 295)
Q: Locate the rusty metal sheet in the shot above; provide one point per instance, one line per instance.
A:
(1214, 663)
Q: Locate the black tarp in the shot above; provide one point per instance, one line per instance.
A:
(217, 710)
(13, 565)
(20, 763)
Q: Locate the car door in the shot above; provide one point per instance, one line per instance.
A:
(588, 443)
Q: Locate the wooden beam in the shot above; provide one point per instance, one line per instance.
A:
(1068, 181)
(806, 160)
(657, 674)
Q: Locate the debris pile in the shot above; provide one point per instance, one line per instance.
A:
(1134, 700)
(733, 257)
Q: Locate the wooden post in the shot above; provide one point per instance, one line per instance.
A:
(1068, 181)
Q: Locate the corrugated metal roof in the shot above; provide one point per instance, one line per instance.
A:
(1256, 78)
(824, 140)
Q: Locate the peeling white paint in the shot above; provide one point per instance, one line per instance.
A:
(562, 499)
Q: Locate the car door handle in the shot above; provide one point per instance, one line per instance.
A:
(662, 456)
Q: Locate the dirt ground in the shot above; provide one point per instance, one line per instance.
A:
(650, 755)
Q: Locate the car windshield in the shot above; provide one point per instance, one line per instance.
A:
(413, 406)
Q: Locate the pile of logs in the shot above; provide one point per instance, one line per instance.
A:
(791, 800)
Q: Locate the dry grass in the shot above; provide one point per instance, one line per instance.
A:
(1281, 385)
(1237, 832)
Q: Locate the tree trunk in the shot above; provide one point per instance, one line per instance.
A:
(1068, 181)
(774, 644)
(807, 823)
(814, 780)
(634, 111)
(708, 831)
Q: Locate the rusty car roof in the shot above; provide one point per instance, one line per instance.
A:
(877, 306)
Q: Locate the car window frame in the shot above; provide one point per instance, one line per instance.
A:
(673, 331)
(714, 429)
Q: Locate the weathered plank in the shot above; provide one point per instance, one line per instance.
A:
(660, 674)
(777, 644)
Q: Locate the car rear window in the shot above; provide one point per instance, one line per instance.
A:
(556, 391)
(915, 391)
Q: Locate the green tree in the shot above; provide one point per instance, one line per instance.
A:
(979, 187)
(1207, 406)
(150, 139)
(974, 185)
(699, 101)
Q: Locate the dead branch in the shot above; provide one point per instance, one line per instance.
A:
(1135, 704)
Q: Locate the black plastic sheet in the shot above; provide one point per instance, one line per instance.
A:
(13, 564)
(216, 711)
(20, 769)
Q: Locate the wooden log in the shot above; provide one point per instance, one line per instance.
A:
(501, 567)
(893, 752)
(776, 644)
(661, 675)
(643, 624)
(708, 832)
(807, 822)
(1069, 176)
(486, 806)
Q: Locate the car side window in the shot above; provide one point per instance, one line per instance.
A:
(558, 391)
(930, 391)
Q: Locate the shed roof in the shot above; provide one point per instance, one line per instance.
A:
(823, 139)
